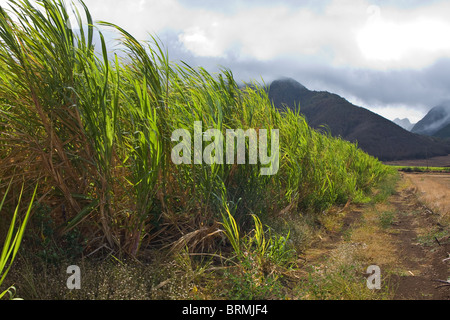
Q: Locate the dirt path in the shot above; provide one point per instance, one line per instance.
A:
(402, 235)
(420, 256)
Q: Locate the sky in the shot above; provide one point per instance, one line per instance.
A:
(391, 57)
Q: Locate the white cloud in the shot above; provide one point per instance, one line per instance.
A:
(345, 46)
(140, 17)
(201, 42)
(408, 41)
(262, 31)
(265, 32)
(350, 33)
(396, 111)
(390, 110)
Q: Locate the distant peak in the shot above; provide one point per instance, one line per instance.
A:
(405, 120)
(437, 118)
(289, 81)
(442, 107)
(404, 123)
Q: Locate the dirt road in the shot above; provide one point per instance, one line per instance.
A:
(422, 245)
(407, 235)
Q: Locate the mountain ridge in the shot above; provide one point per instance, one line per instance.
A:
(434, 121)
(374, 134)
(404, 123)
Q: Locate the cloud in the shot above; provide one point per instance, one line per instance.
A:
(264, 30)
(403, 39)
(391, 93)
(379, 54)
(268, 32)
(352, 33)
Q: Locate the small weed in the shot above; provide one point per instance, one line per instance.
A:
(386, 219)
(347, 234)
(331, 222)
(386, 188)
(428, 237)
(249, 282)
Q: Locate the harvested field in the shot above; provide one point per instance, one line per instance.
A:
(431, 162)
(434, 190)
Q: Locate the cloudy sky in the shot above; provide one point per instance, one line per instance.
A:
(392, 57)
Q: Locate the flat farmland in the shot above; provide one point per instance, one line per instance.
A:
(434, 190)
(443, 161)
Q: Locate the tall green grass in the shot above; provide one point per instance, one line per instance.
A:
(13, 238)
(96, 125)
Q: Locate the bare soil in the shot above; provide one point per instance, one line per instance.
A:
(443, 161)
(421, 262)
(412, 249)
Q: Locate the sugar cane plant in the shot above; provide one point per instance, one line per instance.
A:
(95, 125)
(13, 238)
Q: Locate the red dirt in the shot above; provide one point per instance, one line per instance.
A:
(423, 261)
